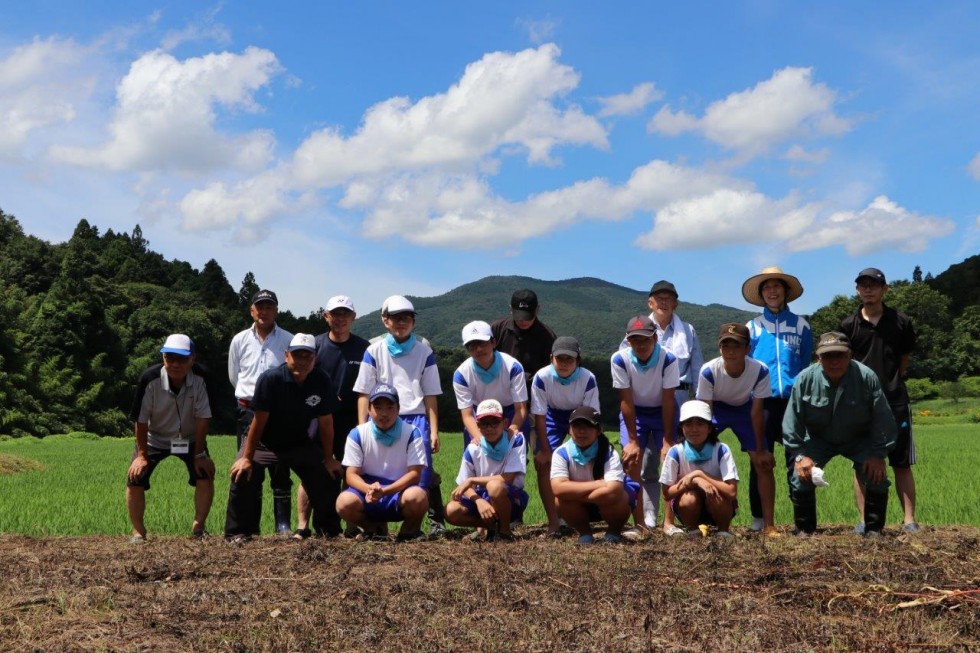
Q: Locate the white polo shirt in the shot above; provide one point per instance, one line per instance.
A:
(375, 459)
(477, 463)
(648, 387)
(508, 387)
(717, 385)
(414, 375)
(563, 466)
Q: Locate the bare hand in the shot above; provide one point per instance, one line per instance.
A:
(476, 439)
(804, 469)
(631, 453)
(434, 439)
(374, 493)
(767, 462)
(204, 467)
(241, 470)
(137, 468)
(542, 460)
(333, 467)
(874, 470)
(487, 513)
(457, 494)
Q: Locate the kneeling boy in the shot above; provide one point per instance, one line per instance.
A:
(490, 485)
(384, 458)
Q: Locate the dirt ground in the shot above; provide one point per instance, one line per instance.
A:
(834, 592)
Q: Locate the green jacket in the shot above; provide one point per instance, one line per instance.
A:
(861, 412)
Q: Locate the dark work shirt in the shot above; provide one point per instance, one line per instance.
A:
(881, 347)
(531, 347)
(292, 406)
(342, 361)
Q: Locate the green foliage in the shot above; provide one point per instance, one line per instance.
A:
(920, 389)
(961, 283)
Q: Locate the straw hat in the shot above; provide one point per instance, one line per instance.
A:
(750, 289)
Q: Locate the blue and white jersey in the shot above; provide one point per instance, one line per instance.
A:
(784, 343)
(477, 463)
(648, 386)
(721, 465)
(508, 386)
(386, 463)
(414, 375)
(548, 395)
(563, 466)
(717, 385)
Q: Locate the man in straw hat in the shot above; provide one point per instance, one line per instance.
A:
(781, 340)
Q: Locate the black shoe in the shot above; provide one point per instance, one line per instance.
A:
(409, 537)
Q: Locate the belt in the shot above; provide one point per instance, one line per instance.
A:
(244, 403)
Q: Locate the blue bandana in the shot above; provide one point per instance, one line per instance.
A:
(583, 457)
(399, 349)
(695, 456)
(496, 451)
(643, 367)
(488, 376)
(387, 438)
(565, 381)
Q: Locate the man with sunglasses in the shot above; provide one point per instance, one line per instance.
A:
(171, 411)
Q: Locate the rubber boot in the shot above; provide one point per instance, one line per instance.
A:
(805, 511)
(281, 508)
(875, 507)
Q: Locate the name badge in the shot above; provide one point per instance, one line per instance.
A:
(178, 446)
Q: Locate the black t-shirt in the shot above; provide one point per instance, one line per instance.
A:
(342, 361)
(531, 347)
(292, 406)
(881, 347)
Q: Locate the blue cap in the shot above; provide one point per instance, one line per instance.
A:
(384, 390)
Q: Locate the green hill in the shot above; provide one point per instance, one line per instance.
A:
(593, 310)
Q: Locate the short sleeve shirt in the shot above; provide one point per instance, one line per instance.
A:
(166, 413)
(721, 465)
(881, 347)
(389, 464)
(292, 407)
(564, 466)
(477, 463)
(717, 385)
(647, 385)
(508, 387)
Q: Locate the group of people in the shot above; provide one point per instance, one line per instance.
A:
(357, 421)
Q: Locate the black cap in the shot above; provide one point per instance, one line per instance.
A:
(871, 273)
(265, 296)
(565, 346)
(523, 304)
(663, 286)
(585, 413)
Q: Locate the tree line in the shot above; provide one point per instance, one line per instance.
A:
(80, 320)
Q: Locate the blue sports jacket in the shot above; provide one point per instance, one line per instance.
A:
(784, 343)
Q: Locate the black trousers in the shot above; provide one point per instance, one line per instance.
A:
(307, 461)
(279, 480)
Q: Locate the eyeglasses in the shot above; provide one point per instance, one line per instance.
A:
(401, 318)
(489, 423)
(869, 285)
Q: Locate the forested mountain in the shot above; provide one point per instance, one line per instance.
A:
(80, 320)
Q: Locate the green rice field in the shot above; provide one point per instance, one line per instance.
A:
(75, 485)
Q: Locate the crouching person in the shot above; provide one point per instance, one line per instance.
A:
(384, 458)
(588, 480)
(288, 400)
(490, 486)
(699, 478)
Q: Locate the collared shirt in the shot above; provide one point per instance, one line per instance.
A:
(476, 463)
(374, 459)
(249, 357)
(881, 347)
(854, 409)
(508, 387)
(415, 375)
(292, 406)
(680, 339)
(531, 347)
(165, 412)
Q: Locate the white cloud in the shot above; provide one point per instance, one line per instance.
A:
(882, 225)
(726, 216)
(625, 104)
(801, 155)
(165, 115)
(540, 30)
(787, 105)
(974, 167)
(40, 85)
(204, 28)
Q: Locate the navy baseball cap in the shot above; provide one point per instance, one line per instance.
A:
(265, 296)
(384, 391)
(871, 273)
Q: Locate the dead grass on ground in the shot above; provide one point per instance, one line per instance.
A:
(835, 592)
(11, 464)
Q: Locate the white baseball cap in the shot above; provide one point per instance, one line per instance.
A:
(178, 343)
(477, 330)
(489, 408)
(302, 341)
(397, 304)
(340, 301)
(695, 408)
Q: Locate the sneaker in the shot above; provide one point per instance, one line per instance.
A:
(137, 539)
(675, 531)
(757, 524)
(410, 537)
(872, 535)
(302, 533)
(240, 538)
(199, 535)
(633, 534)
(911, 527)
(612, 538)
(586, 539)
(436, 530)
(859, 528)
(723, 535)
(771, 531)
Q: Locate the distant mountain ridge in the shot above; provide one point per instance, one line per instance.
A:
(593, 310)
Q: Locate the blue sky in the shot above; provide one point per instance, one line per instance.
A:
(371, 149)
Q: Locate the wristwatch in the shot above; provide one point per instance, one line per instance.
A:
(799, 457)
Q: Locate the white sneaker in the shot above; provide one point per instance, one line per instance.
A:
(632, 534)
(756, 524)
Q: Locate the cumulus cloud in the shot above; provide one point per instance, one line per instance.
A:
(626, 104)
(787, 105)
(40, 84)
(974, 167)
(166, 111)
(883, 224)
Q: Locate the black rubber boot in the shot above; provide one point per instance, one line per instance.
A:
(875, 509)
(281, 508)
(805, 511)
